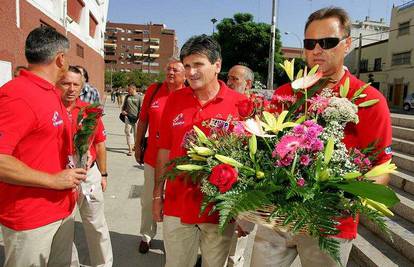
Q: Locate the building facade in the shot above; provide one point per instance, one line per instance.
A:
(389, 64)
(399, 59)
(82, 21)
(145, 47)
(291, 52)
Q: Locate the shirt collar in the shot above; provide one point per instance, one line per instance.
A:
(220, 95)
(37, 80)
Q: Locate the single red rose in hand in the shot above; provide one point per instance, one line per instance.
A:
(223, 176)
(94, 110)
(246, 108)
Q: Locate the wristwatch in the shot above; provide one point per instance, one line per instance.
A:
(105, 174)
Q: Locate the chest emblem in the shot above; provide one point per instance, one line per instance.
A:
(155, 104)
(178, 120)
(57, 119)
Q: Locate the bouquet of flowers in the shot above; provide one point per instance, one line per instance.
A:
(86, 125)
(289, 168)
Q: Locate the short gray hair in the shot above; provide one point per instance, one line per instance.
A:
(248, 73)
(43, 44)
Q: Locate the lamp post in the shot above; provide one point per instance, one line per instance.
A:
(213, 20)
(297, 36)
(271, 65)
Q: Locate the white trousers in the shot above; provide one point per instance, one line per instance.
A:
(148, 226)
(181, 242)
(94, 222)
(49, 245)
(129, 130)
(278, 249)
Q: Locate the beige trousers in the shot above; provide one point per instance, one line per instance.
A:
(49, 245)
(94, 222)
(181, 242)
(148, 226)
(129, 130)
(280, 249)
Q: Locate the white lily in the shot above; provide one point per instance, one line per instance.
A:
(254, 126)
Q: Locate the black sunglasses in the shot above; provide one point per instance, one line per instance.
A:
(324, 43)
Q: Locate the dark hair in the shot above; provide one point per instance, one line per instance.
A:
(329, 12)
(75, 69)
(202, 45)
(85, 73)
(132, 85)
(43, 44)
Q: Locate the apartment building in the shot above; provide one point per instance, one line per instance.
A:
(82, 21)
(145, 47)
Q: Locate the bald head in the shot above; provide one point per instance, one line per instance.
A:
(240, 78)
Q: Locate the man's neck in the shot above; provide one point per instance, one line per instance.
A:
(208, 92)
(174, 87)
(335, 78)
(69, 105)
(45, 73)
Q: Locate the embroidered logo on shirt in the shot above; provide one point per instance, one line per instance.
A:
(178, 120)
(219, 124)
(57, 119)
(388, 150)
(155, 104)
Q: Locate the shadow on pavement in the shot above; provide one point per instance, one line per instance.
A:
(125, 250)
(120, 150)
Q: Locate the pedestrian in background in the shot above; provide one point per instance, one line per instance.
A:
(130, 109)
(149, 118)
(89, 94)
(37, 193)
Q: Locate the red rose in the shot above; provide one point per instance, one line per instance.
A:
(223, 176)
(246, 108)
(94, 110)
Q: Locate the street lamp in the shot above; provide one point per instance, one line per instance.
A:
(297, 36)
(213, 20)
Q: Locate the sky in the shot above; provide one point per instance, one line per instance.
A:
(193, 17)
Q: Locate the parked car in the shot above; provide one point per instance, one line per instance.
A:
(408, 102)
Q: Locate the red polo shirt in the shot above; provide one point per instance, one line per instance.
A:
(183, 110)
(34, 128)
(151, 112)
(99, 134)
(374, 125)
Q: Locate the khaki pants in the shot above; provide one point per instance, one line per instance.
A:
(181, 242)
(94, 222)
(148, 226)
(129, 130)
(49, 245)
(273, 248)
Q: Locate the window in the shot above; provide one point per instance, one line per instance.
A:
(44, 24)
(390, 92)
(377, 64)
(122, 39)
(405, 91)
(75, 9)
(129, 39)
(129, 31)
(401, 58)
(93, 22)
(404, 28)
(122, 63)
(79, 50)
(363, 65)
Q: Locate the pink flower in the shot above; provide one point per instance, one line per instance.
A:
(367, 162)
(286, 161)
(317, 145)
(288, 144)
(238, 129)
(300, 182)
(318, 104)
(304, 160)
(358, 161)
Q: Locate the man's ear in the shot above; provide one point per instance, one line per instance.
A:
(348, 42)
(218, 66)
(60, 60)
(249, 84)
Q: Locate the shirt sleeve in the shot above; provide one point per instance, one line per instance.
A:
(16, 121)
(144, 113)
(165, 129)
(100, 135)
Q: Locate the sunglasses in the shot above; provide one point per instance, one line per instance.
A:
(324, 43)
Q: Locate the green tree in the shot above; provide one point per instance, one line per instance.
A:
(246, 42)
(119, 79)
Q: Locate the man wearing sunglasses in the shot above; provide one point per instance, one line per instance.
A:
(327, 40)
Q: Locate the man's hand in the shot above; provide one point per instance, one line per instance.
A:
(66, 179)
(138, 154)
(103, 183)
(157, 209)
